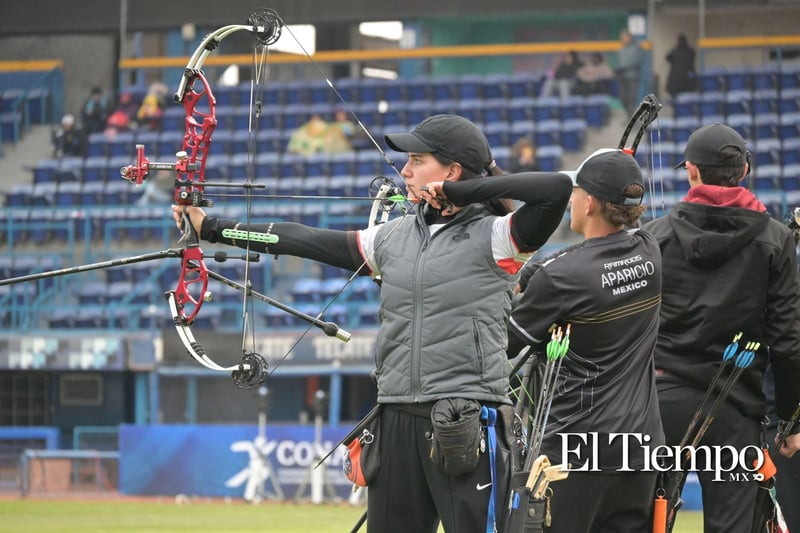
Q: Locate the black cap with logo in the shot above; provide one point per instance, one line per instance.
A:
(452, 136)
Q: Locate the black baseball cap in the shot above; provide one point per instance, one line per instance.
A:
(606, 174)
(452, 136)
(704, 145)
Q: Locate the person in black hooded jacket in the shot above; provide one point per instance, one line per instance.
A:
(728, 267)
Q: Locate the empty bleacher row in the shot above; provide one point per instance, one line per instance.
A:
(762, 104)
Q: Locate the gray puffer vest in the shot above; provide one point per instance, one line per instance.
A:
(444, 307)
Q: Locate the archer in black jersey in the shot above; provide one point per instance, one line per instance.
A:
(608, 289)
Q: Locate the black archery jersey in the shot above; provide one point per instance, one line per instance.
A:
(609, 290)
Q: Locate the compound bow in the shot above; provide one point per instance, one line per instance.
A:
(191, 291)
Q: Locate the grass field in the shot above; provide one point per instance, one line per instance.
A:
(164, 515)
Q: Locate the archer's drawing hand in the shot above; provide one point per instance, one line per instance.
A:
(433, 193)
(790, 445)
(194, 214)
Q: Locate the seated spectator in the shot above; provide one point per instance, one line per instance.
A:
(123, 116)
(562, 77)
(594, 77)
(95, 111)
(151, 112)
(317, 136)
(523, 157)
(69, 140)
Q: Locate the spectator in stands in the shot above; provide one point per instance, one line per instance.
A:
(562, 76)
(95, 111)
(523, 157)
(69, 140)
(629, 65)
(728, 261)
(594, 77)
(448, 273)
(681, 77)
(151, 113)
(123, 118)
(318, 136)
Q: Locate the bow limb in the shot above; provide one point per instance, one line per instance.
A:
(645, 114)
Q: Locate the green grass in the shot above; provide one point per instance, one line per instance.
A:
(100, 516)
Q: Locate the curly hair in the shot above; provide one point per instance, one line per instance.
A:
(624, 215)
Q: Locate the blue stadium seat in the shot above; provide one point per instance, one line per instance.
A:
(766, 176)
(443, 88)
(790, 177)
(766, 152)
(495, 85)
(573, 134)
(550, 157)
(523, 84)
(44, 171)
(267, 140)
(765, 125)
(738, 79)
(712, 104)
(572, 107)
(341, 164)
(96, 145)
(418, 89)
(547, 132)
(597, 110)
(417, 111)
(497, 133)
(494, 110)
(520, 108)
(471, 109)
(267, 165)
(789, 101)
(470, 87)
(369, 90)
(69, 194)
(765, 101)
(743, 123)
(546, 108)
(686, 105)
(738, 102)
(790, 151)
(712, 79)
(764, 78)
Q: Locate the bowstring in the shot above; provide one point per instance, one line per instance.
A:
(407, 210)
(257, 87)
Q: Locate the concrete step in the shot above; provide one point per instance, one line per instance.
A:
(19, 158)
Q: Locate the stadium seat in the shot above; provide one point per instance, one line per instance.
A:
(469, 87)
(790, 151)
(738, 102)
(520, 109)
(686, 105)
(765, 125)
(712, 104)
(712, 79)
(549, 158)
(765, 101)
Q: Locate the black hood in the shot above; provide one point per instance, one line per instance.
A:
(710, 235)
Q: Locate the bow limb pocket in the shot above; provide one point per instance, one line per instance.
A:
(457, 435)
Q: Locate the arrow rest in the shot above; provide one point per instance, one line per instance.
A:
(252, 371)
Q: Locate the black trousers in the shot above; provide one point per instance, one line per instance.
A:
(411, 494)
(728, 505)
(603, 502)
